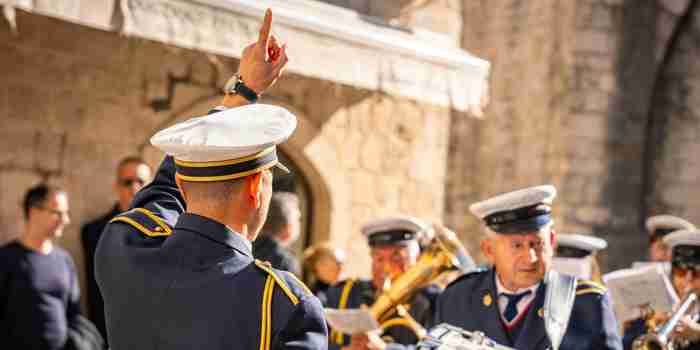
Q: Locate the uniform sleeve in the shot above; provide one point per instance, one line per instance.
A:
(306, 329)
(438, 314)
(610, 337)
(162, 196)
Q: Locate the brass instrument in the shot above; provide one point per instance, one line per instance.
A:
(447, 337)
(443, 253)
(661, 338)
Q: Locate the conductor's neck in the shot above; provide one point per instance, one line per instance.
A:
(233, 219)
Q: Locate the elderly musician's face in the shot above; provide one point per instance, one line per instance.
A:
(521, 260)
(389, 261)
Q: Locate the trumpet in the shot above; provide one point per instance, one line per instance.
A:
(662, 339)
(444, 253)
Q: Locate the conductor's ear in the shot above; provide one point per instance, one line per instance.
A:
(253, 186)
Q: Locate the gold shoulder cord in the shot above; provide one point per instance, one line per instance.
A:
(335, 335)
(266, 315)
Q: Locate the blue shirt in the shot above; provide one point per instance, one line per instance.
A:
(39, 297)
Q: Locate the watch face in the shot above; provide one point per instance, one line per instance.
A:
(230, 86)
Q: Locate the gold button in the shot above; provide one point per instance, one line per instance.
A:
(540, 312)
(487, 299)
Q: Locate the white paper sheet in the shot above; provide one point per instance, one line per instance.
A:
(351, 321)
(631, 289)
(665, 265)
(579, 267)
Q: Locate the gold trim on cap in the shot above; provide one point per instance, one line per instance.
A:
(225, 177)
(190, 164)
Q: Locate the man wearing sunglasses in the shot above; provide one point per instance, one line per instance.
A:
(684, 246)
(132, 174)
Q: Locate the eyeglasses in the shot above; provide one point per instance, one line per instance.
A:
(55, 211)
(128, 182)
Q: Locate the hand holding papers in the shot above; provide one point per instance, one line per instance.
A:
(351, 321)
(636, 288)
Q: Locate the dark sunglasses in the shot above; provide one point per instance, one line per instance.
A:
(128, 182)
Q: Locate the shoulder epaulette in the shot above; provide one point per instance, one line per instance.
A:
(281, 282)
(468, 274)
(145, 221)
(588, 286)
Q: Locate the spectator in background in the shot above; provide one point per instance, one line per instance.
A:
(132, 174)
(323, 267)
(282, 228)
(39, 293)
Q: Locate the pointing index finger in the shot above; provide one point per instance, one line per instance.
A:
(265, 31)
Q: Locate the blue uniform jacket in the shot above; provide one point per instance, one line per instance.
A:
(353, 293)
(174, 280)
(470, 303)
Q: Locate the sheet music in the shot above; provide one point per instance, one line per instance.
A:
(351, 321)
(666, 265)
(633, 288)
(579, 267)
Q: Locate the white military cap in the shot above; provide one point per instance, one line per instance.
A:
(578, 246)
(519, 211)
(393, 230)
(661, 225)
(685, 248)
(682, 237)
(227, 145)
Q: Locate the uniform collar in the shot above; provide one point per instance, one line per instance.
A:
(215, 231)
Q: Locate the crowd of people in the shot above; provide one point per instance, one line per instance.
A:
(196, 255)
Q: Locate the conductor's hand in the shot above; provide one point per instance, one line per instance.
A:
(367, 341)
(263, 61)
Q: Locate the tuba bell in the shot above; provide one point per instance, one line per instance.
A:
(661, 338)
(442, 254)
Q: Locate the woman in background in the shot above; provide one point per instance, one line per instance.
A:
(323, 267)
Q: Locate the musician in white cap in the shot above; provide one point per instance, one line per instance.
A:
(658, 227)
(579, 249)
(177, 270)
(684, 246)
(394, 248)
(519, 301)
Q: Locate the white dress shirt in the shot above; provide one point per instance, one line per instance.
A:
(522, 304)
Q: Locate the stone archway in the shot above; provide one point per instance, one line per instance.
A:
(311, 154)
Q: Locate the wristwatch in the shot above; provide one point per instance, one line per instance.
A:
(236, 86)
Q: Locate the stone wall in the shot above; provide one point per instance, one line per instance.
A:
(577, 101)
(517, 142)
(75, 100)
(674, 139)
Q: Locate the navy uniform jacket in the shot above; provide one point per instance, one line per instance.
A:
(470, 303)
(90, 235)
(174, 280)
(353, 293)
